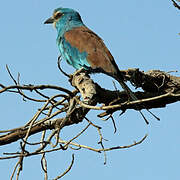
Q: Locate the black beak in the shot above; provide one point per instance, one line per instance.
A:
(49, 21)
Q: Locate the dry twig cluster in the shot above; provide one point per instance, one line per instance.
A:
(159, 89)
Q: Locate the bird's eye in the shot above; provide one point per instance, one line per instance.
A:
(58, 15)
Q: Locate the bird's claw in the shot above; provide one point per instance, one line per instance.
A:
(82, 70)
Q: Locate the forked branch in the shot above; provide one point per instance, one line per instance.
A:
(66, 108)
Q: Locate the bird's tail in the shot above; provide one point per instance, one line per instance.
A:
(134, 98)
(127, 89)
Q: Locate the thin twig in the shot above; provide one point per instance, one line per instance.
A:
(79, 146)
(125, 104)
(59, 66)
(114, 124)
(101, 139)
(75, 137)
(40, 87)
(67, 170)
(175, 4)
(14, 170)
(44, 166)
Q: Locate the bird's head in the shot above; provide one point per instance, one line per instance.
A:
(64, 18)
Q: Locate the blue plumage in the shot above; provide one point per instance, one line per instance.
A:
(81, 47)
(72, 55)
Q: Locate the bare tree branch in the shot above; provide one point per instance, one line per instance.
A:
(159, 89)
(67, 170)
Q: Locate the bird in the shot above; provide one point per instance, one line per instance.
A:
(82, 48)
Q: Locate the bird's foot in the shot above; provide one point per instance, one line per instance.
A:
(82, 70)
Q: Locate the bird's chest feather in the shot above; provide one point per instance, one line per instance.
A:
(72, 55)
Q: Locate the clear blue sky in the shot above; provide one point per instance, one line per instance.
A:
(139, 33)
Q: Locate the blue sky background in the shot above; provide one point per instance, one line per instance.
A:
(139, 33)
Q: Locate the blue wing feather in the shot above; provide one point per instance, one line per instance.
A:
(72, 55)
